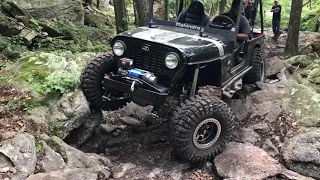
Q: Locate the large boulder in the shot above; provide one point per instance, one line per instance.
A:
(274, 66)
(278, 98)
(304, 102)
(51, 160)
(58, 160)
(301, 153)
(19, 152)
(75, 158)
(245, 161)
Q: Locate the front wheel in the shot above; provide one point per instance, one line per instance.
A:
(200, 128)
(92, 85)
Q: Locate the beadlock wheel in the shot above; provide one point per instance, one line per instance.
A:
(206, 133)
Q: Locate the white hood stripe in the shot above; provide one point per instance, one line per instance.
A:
(154, 35)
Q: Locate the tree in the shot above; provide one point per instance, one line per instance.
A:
(222, 6)
(166, 14)
(316, 28)
(121, 16)
(294, 27)
(141, 10)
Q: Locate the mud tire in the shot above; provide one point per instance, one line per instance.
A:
(91, 83)
(186, 119)
(258, 71)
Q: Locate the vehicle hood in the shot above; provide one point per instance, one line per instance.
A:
(189, 43)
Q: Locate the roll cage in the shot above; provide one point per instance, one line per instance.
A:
(230, 35)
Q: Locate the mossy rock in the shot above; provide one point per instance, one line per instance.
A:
(314, 76)
(305, 103)
(51, 73)
(300, 60)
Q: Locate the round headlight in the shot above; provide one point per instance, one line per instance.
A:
(172, 61)
(118, 48)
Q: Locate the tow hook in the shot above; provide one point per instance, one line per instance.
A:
(132, 86)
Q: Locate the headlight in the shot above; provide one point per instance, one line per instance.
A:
(172, 61)
(118, 48)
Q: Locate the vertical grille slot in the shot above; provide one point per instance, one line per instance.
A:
(147, 60)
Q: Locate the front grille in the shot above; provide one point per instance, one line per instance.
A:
(147, 60)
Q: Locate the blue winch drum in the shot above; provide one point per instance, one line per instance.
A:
(136, 73)
(141, 74)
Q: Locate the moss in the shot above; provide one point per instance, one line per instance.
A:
(33, 71)
(305, 103)
(300, 60)
(57, 148)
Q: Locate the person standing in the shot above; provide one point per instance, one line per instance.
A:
(248, 9)
(276, 9)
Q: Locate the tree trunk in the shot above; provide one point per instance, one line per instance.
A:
(222, 6)
(316, 28)
(166, 13)
(121, 16)
(294, 27)
(135, 14)
(141, 9)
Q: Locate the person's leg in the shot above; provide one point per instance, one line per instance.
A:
(278, 28)
(274, 27)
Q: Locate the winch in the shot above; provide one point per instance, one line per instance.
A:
(144, 75)
(126, 68)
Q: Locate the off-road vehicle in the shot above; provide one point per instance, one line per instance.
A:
(169, 61)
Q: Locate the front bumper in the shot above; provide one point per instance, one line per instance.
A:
(142, 93)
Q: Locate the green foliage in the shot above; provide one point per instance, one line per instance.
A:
(39, 147)
(59, 83)
(35, 25)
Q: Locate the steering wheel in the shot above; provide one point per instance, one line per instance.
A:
(222, 22)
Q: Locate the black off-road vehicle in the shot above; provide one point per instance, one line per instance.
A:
(166, 62)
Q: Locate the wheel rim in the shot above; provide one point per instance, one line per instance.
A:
(206, 133)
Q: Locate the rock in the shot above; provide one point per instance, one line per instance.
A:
(16, 11)
(73, 174)
(51, 161)
(120, 171)
(270, 148)
(245, 161)
(75, 158)
(5, 161)
(300, 60)
(83, 133)
(134, 110)
(248, 135)
(69, 113)
(301, 153)
(8, 135)
(262, 128)
(274, 65)
(95, 19)
(4, 170)
(100, 159)
(129, 121)
(28, 35)
(108, 128)
(314, 76)
(21, 151)
(304, 102)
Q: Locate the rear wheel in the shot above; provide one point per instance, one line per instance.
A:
(92, 85)
(200, 128)
(258, 71)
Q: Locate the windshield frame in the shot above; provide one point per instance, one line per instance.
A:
(230, 35)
